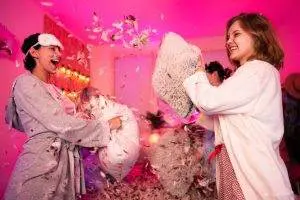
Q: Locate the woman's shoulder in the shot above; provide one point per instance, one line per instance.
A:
(24, 77)
(261, 63)
(26, 80)
(257, 66)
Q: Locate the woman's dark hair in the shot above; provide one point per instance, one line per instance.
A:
(266, 45)
(156, 119)
(216, 66)
(29, 61)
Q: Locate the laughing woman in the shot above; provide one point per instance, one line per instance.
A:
(49, 166)
(247, 113)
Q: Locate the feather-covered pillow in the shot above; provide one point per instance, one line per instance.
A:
(122, 151)
(175, 162)
(176, 60)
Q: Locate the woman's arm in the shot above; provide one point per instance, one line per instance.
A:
(32, 97)
(234, 95)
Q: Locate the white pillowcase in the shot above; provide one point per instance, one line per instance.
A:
(122, 151)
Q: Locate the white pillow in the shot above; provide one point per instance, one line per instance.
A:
(122, 151)
(176, 60)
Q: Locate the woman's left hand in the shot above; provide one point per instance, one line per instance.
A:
(200, 64)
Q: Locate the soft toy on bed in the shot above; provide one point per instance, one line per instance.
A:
(176, 60)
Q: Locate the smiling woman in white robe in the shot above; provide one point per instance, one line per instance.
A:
(247, 114)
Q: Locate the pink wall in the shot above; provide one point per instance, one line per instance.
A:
(290, 40)
(103, 61)
(102, 70)
(212, 48)
(133, 82)
(21, 18)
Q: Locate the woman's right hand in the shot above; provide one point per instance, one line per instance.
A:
(115, 123)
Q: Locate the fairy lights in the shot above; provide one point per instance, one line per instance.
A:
(68, 73)
(70, 81)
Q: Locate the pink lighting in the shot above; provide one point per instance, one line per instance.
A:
(125, 73)
(192, 19)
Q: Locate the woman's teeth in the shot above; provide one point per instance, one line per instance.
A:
(232, 48)
(54, 62)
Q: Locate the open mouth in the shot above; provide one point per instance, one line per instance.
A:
(55, 62)
(232, 48)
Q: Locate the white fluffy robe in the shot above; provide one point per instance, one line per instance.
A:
(249, 121)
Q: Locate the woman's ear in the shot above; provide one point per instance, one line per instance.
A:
(34, 53)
